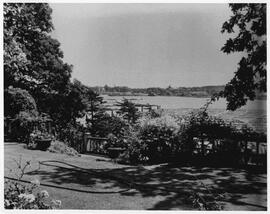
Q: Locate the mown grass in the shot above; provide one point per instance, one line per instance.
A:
(168, 185)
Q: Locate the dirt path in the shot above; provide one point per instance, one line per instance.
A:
(105, 185)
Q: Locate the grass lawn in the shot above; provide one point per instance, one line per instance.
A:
(102, 184)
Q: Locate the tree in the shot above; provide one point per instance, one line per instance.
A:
(23, 25)
(65, 108)
(94, 106)
(128, 110)
(32, 59)
(18, 100)
(250, 77)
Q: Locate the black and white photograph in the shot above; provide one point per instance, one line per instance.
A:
(134, 106)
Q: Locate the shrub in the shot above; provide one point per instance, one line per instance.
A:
(158, 142)
(119, 134)
(134, 150)
(153, 140)
(109, 125)
(72, 135)
(62, 148)
(22, 126)
(170, 138)
(154, 113)
(223, 137)
(114, 141)
(24, 123)
(21, 196)
(27, 196)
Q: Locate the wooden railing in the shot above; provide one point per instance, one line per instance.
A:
(94, 144)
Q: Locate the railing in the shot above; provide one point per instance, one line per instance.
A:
(94, 144)
(252, 152)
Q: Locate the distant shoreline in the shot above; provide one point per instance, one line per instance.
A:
(261, 97)
(196, 92)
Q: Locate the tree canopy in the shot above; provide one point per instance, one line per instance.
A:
(33, 60)
(128, 110)
(248, 22)
(18, 100)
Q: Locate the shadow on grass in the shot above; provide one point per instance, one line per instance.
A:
(173, 183)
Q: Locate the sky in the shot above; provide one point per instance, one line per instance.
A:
(145, 45)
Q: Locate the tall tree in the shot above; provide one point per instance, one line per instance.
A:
(250, 77)
(128, 110)
(33, 60)
(94, 103)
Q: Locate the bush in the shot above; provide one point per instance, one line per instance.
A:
(118, 135)
(62, 148)
(25, 123)
(109, 125)
(134, 152)
(170, 138)
(72, 135)
(21, 196)
(153, 140)
(27, 196)
(222, 136)
(22, 126)
(158, 143)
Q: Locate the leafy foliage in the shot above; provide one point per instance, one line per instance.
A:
(153, 140)
(98, 117)
(23, 125)
(34, 61)
(105, 125)
(200, 124)
(66, 108)
(62, 148)
(194, 139)
(17, 100)
(20, 196)
(250, 19)
(129, 111)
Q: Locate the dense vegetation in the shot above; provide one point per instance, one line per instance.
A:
(204, 91)
(35, 76)
(38, 89)
(249, 23)
(196, 138)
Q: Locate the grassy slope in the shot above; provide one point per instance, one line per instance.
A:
(244, 191)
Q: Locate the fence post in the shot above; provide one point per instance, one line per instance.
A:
(85, 141)
(246, 155)
(257, 152)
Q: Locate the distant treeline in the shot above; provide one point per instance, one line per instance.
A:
(204, 91)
